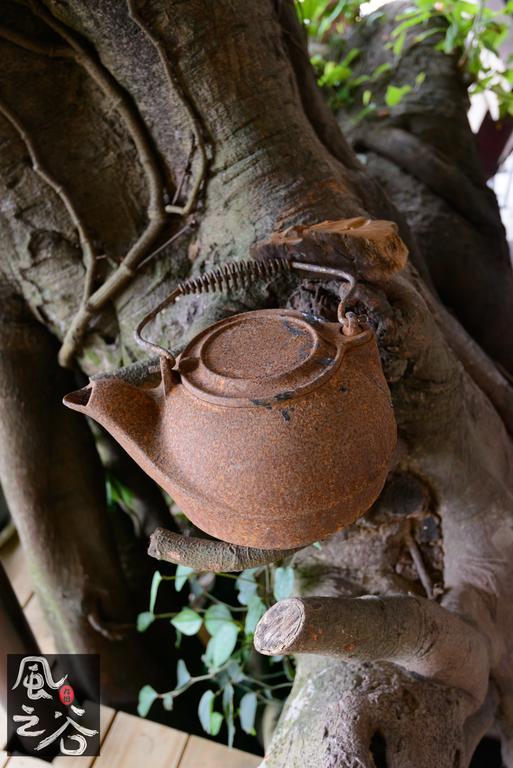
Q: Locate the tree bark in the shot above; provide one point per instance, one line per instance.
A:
(207, 110)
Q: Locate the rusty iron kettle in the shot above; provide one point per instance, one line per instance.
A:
(272, 429)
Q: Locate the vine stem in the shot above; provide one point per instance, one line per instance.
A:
(93, 303)
(89, 254)
(195, 124)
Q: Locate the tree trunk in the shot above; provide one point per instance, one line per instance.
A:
(196, 128)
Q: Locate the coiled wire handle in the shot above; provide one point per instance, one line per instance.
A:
(240, 274)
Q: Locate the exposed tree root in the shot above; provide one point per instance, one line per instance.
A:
(92, 303)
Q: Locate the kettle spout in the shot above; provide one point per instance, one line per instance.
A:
(78, 399)
(129, 413)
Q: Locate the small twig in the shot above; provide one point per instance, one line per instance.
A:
(178, 190)
(195, 125)
(418, 562)
(90, 257)
(190, 225)
(209, 554)
(54, 51)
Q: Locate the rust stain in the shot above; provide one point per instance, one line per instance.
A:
(209, 435)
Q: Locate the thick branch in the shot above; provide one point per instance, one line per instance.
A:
(415, 633)
(208, 554)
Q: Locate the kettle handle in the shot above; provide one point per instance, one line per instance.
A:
(239, 274)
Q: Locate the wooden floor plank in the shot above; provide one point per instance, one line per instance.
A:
(127, 741)
(15, 564)
(202, 753)
(132, 742)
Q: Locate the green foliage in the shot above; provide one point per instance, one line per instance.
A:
(188, 622)
(144, 620)
(394, 94)
(473, 32)
(147, 695)
(247, 712)
(235, 690)
(211, 721)
(470, 31)
(324, 17)
(182, 574)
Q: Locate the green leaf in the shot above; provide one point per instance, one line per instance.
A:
(385, 67)
(211, 721)
(420, 78)
(451, 38)
(167, 701)
(429, 33)
(155, 583)
(182, 574)
(205, 708)
(256, 610)
(216, 617)
(228, 712)
(395, 94)
(411, 22)
(366, 97)
(147, 696)
(246, 585)
(234, 672)
(317, 545)
(144, 620)
(359, 80)
(221, 646)
(187, 621)
(398, 45)
(247, 712)
(182, 674)
(216, 721)
(283, 582)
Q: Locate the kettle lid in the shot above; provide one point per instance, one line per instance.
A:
(259, 357)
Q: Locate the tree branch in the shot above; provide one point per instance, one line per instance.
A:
(415, 633)
(210, 554)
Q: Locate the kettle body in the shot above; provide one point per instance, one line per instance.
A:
(273, 430)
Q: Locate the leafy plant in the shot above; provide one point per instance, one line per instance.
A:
(237, 687)
(471, 31)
